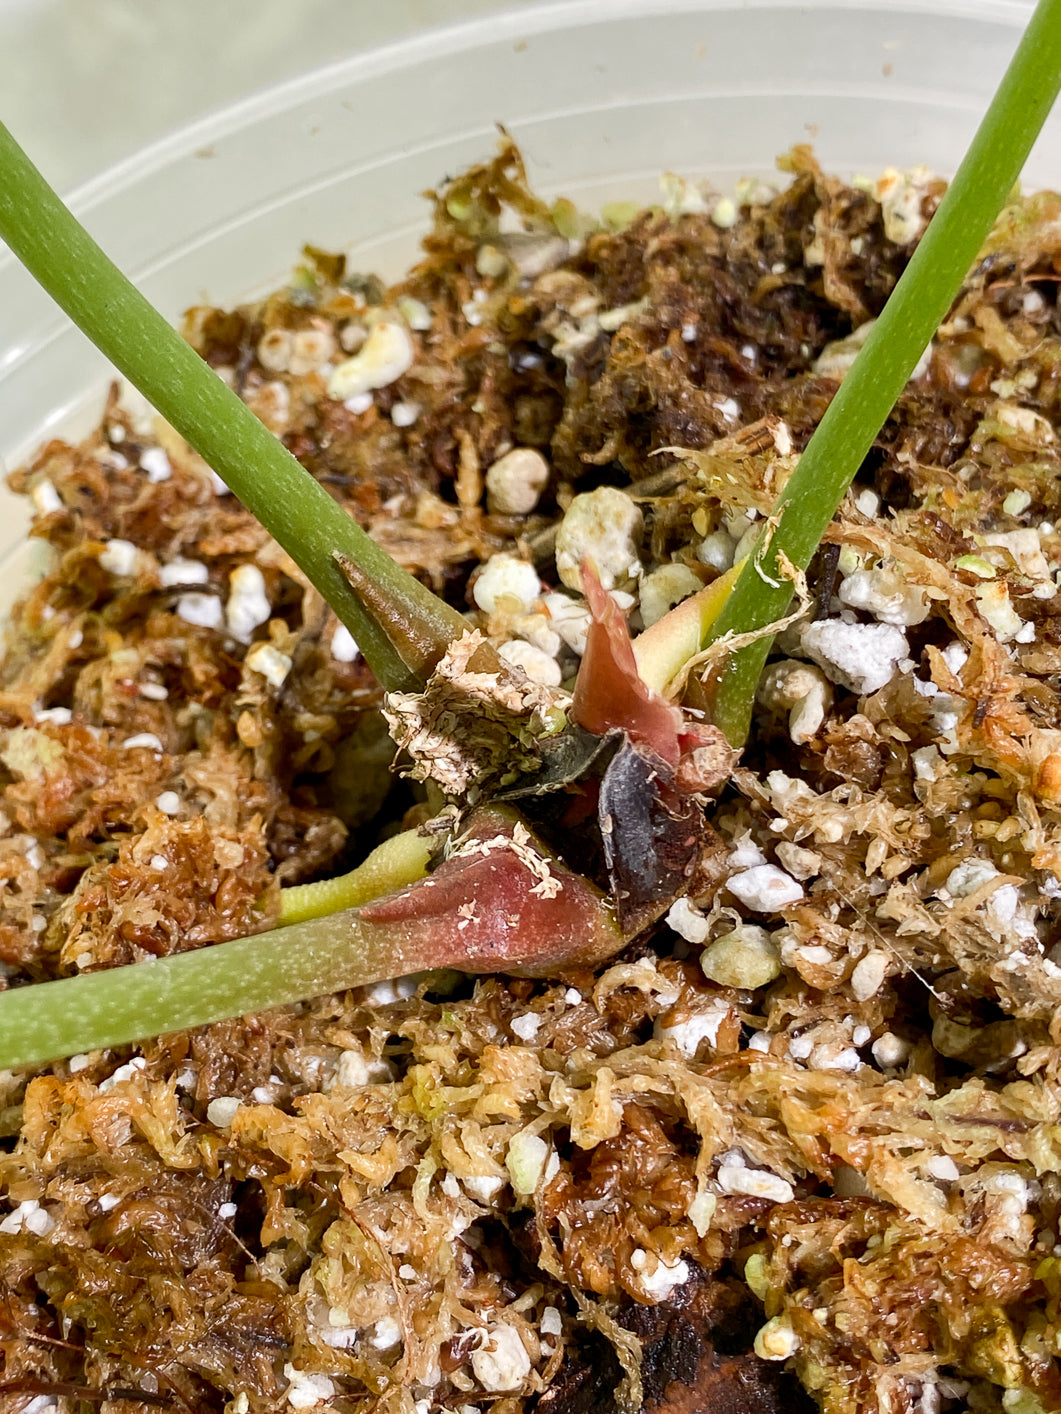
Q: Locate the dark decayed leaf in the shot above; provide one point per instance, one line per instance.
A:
(652, 836)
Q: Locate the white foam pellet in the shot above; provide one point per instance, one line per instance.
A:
(759, 1042)
(201, 610)
(159, 862)
(861, 657)
(507, 584)
(765, 888)
(119, 557)
(344, 646)
(40, 1222)
(248, 604)
(153, 691)
(227, 1211)
(157, 465)
(405, 414)
(515, 482)
(540, 667)
(573, 997)
(352, 1070)
(358, 403)
(604, 527)
(526, 1026)
(861, 1035)
(274, 350)
(386, 354)
(407, 1272)
(46, 498)
(221, 1111)
(900, 195)
(266, 659)
(501, 1362)
(688, 922)
(147, 740)
(78, 1063)
(169, 802)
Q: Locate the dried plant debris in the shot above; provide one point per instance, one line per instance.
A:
(798, 1145)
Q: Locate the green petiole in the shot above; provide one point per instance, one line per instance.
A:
(292, 506)
(868, 393)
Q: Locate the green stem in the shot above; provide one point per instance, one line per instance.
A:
(125, 1004)
(292, 506)
(868, 393)
(390, 866)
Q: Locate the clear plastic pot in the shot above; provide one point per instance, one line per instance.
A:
(603, 95)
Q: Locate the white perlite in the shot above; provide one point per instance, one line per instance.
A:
(201, 610)
(120, 558)
(860, 657)
(688, 922)
(539, 666)
(386, 354)
(659, 1280)
(765, 888)
(604, 527)
(746, 957)
(886, 595)
(344, 645)
(734, 1176)
(507, 584)
(802, 690)
(664, 588)
(515, 482)
(157, 465)
(530, 1161)
(221, 1111)
(306, 1390)
(501, 1362)
(248, 604)
(183, 572)
(273, 665)
(869, 974)
(776, 1340)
